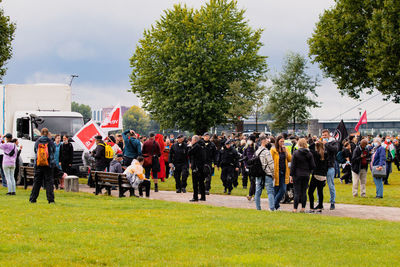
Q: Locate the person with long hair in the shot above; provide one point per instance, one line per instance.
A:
(281, 157)
(302, 166)
(318, 178)
(248, 153)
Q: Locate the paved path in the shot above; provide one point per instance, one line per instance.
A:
(342, 210)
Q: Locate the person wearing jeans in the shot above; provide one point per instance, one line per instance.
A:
(379, 161)
(331, 147)
(268, 166)
(10, 155)
(281, 157)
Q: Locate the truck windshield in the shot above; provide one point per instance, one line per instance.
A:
(58, 125)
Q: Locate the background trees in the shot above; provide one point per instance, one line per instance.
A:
(185, 64)
(290, 96)
(85, 110)
(7, 30)
(357, 45)
(136, 119)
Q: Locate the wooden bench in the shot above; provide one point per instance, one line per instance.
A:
(108, 180)
(27, 173)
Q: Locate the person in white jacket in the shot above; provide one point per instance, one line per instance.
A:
(267, 163)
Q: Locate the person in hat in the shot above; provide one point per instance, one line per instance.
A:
(115, 164)
(179, 162)
(210, 159)
(99, 154)
(229, 163)
(10, 154)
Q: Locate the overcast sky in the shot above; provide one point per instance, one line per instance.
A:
(95, 39)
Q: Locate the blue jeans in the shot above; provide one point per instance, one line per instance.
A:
(337, 170)
(280, 190)
(269, 185)
(379, 186)
(9, 175)
(331, 184)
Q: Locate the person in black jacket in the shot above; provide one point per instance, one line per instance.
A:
(229, 163)
(318, 178)
(197, 161)
(211, 158)
(300, 170)
(99, 154)
(179, 161)
(359, 167)
(347, 155)
(66, 155)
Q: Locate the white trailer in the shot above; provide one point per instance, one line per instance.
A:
(27, 108)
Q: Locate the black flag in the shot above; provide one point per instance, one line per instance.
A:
(340, 132)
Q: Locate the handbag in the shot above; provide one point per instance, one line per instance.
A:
(378, 173)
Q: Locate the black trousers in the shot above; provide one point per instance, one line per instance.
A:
(43, 174)
(245, 176)
(181, 173)
(346, 174)
(127, 161)
(66, 168)
(208, 177)
(252, 189)
(167, 168)
(198, 184)
(235, 178)
(227, 175)
(146, 186)
(319, 185)
(300, 184)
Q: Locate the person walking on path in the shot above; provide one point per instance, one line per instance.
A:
(197, 155)
(378, 162)
(281, 168)
(229, 163)
(248, 154)
(211, 158)
(10, 155)
(162, 173)
(302, 166)
(179, 162)
(359, 167)
(44, 163)
(267, 164)
(151, 153)
(332, 147)
(318, 178)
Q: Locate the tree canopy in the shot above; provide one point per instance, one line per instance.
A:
(290, 96)
(85, 110)
(7, 30)
(136, 119)
(183, 66)
(357, 45)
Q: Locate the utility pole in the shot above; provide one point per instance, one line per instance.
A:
(72, 78)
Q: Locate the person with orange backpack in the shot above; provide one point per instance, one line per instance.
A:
(44, 163)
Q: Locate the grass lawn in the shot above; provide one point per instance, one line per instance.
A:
(391, 193)
(83, 229)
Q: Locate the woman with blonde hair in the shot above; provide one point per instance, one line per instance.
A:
(300, 170)
(281, 157)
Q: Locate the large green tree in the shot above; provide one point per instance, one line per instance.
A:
(7, 30)
(184, 64)
(136, 119)
(357, 45)
(291, 95)
(83, 109)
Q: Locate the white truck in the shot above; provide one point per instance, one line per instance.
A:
(27, 108)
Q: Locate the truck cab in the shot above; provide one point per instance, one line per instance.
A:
(28, 124)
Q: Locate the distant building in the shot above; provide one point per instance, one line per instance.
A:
(98, 115)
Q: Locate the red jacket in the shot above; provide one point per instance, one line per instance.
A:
(148, 148)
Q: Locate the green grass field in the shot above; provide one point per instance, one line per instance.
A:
(87, 230)
(391, 193)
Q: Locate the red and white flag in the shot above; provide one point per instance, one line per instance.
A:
(86, 136)
(363, 120)
(113, 121)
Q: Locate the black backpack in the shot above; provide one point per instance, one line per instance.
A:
(255, 166)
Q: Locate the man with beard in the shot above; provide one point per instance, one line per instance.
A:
(229, 163)
(179, 161)
(197, 161)
(211, 157)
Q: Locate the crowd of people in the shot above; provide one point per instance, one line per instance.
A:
(277, 163)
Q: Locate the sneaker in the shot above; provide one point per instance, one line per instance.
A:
(207, 193)
(332, 206)
(9, 193)
(225, 190)
(194, 200)
(183, 190)
(202, 199)
(13, 193)
(178, 191)
(229, 192)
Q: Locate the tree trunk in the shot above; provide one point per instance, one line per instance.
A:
(294, 124)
